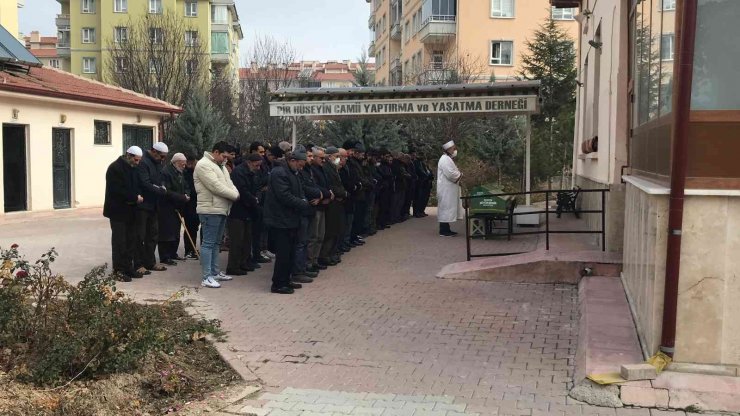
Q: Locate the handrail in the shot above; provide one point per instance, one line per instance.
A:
(466, 205)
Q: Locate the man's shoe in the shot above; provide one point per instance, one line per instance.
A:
(236, 272)
(158, 268)
(248, 267)
(121, 276)
(447, 234)
(211, 282)
(169, 262)
(295, 285)
(255, 265)
(134, 274)
(313, 269)
(268, 254)
(285, 290)
(311, 274)
(191, 256)
(320, 266)
(178, 258)
(223, 277)
(301, 278)
(263, 259)
(143, 271)
(359, 242)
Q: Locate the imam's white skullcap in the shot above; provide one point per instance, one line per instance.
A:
(448, 144)
(161, 147)
(135, 150)
(179, 157)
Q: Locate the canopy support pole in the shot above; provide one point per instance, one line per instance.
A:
(528, 160)
(295, 134)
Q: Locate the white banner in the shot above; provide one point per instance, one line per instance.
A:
(526, 104)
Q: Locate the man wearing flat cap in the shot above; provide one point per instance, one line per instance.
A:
(449, 204)
(171, 207)
(147, 221)
(122, 195)
(243, 214)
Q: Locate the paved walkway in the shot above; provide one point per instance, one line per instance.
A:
(377, 335)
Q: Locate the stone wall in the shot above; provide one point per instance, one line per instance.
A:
(614, 211)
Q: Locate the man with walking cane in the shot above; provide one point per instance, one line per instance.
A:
(170, 206)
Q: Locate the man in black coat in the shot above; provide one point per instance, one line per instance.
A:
(192, 222)
(147, 225)
(260, 180)
(386, 190)
(317, 226)
(314, 195)
(328, 255)
(242, 215)
(170, 209)
(121, 197)
(285, 204)
(423, 185)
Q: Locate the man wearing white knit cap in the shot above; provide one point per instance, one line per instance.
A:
(449, 205)
(147, 224)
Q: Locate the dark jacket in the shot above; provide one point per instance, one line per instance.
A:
(401, 176)
(357, 176)
(150, 176)
(285, 202)
(310, 189)
(172, 203)
(387, 180)
(423, 172)
(121, 191)
(244, 179)
(190, 207)
(319, 177)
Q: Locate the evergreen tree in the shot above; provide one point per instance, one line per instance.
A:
(198, 128)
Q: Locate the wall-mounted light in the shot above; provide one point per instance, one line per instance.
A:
(594, 44)
(138, 118)
(62, 118)
(16, 112)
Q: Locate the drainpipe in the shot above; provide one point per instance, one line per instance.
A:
(685, 74)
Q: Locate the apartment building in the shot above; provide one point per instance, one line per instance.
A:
(425, 41)
(308, 74)
(85, 27)
(44, 48)
(9, 15)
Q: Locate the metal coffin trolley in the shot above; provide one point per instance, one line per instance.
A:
(489, 208)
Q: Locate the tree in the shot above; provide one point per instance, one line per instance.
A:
(222, 96)
(551, 59)
(198, 128)
(158, 55)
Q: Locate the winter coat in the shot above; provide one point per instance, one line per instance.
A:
(190, 207)
(216, 192)
(150, 182)
(121, 191)
(310, 189)
(449, 204)
(172, 203)
(244, 208)
(285, 202)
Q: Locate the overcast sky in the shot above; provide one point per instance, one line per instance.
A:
(317, 29)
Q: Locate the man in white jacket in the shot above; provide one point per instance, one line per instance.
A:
(449, 205)
(216, 193)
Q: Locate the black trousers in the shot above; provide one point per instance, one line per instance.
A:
(123, 244)
(385, 208)
(423, 191)
(257, 229)
(358, 221)
(192, 223)
(284, 240)
(147, 234)
(240, 250)
(399, 198)
(168, 249)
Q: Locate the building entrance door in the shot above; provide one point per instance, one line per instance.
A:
(62, 168)
(14, 168)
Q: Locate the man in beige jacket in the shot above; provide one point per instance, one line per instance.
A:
(216, 193)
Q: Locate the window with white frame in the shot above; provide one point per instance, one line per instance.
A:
(502, 52)
(88, 35)
(667, 46)
(120, 34)
(502, 8)
(155, 35)
(191, 38)
(567, 13)
(668, 5)
(120, 6)
(88, 66)
(191, 8)
(191, 66)
(102, 132)
(88, 6)
(54, 63)
(219, 14)
(155, 6)
(121, 64)
(437, 60)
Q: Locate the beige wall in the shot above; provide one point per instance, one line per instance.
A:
(89, 161)
(9, 16)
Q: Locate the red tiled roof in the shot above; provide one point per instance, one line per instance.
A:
(335, 66)
(44, 53)
(322, 76)
(50, 82)
(245, 73)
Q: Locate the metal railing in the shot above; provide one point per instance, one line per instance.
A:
(547, 211)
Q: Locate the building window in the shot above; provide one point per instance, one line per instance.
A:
(54, 63)
(502, 52)
(439, 11)
(102, 132)
(121, 65)
(563, 14)
(219, 15)
(88, 66)
(191, 38)
(667, 41)
(155, 6)
(668, 5)
(88, 35)
(437, 60)
(191, 8)
(120, 35)
(155, 35)
(88, 6)
(155, 64)
(191, 66)
(502, 8)
(407, 31)
(120, 6)
(220, 42)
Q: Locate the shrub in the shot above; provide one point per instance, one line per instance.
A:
(51, 331)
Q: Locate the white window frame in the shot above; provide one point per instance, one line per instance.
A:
(117, 32)
(54, 63)
(215, 7)
(88, 35)
(490, 53)
(190, 66)
(670, 2)
(672, 52)
(499, 13)
(120, 6)
(87, 6)
(563, 13)
(153, 32)
(191, 8)
(190, 40)
(121, 65)
(89, 65)
(155, 7)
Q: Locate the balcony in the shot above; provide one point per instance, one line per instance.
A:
(395, 64)
(371, 20)
(371, 48)
(396, 31)
(62, 21)
(220, 58)
(438, 29)
(433, 75)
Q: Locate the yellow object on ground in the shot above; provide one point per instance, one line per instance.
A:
(606, 378)
(660, 361)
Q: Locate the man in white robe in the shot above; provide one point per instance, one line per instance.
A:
(449, 205)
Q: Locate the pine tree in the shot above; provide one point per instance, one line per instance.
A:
(198, 128)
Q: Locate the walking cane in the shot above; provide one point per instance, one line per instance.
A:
(182, 221)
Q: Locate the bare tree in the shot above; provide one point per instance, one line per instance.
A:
(458, 67)
(159, 55)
